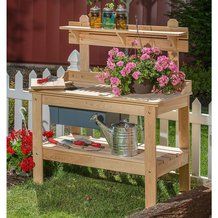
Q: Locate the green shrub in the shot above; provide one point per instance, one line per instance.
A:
(201, 81)
(196, 15)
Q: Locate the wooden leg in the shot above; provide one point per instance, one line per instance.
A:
(37, 139)
(184, 174)
(150, 157)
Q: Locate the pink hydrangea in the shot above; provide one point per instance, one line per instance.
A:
(116, 91)
(156, 50)
(135, 42)
(123, 72)
(146, 50)
(120, 63)
(162, 63)
(113, 52)
(175, 79)
(163, 80)
(129, 67)
(145, 57)
(173, 67)
(110, 64)
(102, 77)
(120, 54)
(181, 75)
(114, 81)
(136, 75)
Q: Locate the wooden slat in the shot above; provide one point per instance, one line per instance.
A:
(80, 29)
(167, 158)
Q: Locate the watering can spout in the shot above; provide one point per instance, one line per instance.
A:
(107, 132)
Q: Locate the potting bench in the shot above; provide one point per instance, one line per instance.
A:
(152, 161)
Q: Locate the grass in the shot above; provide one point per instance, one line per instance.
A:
(68, 194)
(74, 191)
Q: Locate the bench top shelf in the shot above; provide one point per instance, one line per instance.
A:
(129, 32)
(103, 93)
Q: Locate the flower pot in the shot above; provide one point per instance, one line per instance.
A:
(142, 88)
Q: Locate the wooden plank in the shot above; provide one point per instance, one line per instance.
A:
(184, 174)
(196, 140)
(114, 41)
(86, 29)
(150, 157)
(167, 158)
(89, 104)
(37, 139)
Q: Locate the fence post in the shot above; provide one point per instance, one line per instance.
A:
(164, 125)
(45, 108)
(60, 128)
(210, 144)
(196, 140)
(74, 59)
(31, 75)
(18, 102)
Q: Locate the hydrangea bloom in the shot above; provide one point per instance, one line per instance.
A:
(110, 64)
(136, 75)
(116, 91)
(145, 57)
(163, 80)
(120, 63)
(120, 54)
(113, 52)
(114, 81)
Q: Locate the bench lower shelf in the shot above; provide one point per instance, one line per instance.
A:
(168, 158)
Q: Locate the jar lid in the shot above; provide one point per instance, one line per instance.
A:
(107, 10)
(95, 9)
(121, 9)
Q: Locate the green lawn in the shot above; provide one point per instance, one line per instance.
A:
(73, 191)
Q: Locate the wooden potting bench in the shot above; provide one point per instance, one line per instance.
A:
(152, 161)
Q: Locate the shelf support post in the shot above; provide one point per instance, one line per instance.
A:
(184, 142)
(37, 138)
(150, 156)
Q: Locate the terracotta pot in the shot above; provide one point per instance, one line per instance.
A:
(143, 88)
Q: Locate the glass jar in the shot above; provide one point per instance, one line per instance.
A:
(121, 18)
(108, 18)
(95, 17)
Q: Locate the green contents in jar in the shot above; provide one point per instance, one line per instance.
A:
(121, 18)
(95, 17)
(108, 18)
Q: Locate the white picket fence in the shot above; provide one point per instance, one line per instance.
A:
(196, 117)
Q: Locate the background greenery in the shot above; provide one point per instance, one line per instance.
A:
(196, 15)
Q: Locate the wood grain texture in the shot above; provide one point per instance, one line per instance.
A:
(184, 143)
(37, 138)
(150, 156)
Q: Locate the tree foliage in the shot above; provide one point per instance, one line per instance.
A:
(196, 15)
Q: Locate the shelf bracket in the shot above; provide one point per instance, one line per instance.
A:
(75, 35)
(122, 38)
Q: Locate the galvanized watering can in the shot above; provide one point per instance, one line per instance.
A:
(122, 137)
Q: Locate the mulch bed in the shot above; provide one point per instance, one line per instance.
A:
(14, 179)
(195, 204)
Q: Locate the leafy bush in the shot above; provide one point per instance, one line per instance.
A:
(196, 15)
(201, 81)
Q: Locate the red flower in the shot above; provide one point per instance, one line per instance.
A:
(26, 144)
(48, 134)
(10, 150)
(27, 164)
